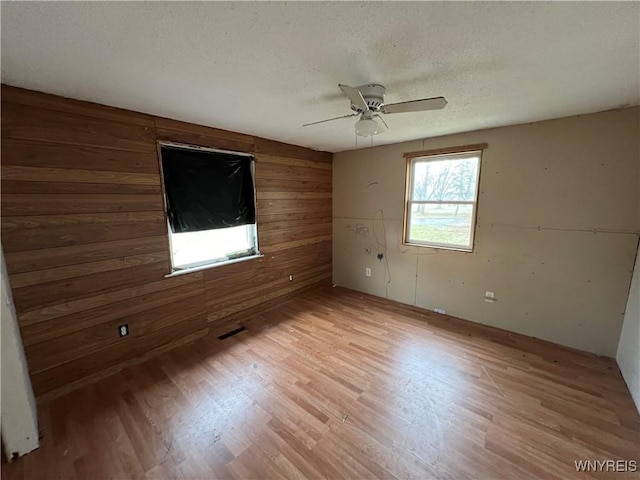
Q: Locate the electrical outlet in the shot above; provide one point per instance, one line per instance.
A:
(489, 297)
(123, 330)
(291, 277)
(440, 310)
(367, 272)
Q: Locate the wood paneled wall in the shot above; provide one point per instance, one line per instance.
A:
(84, 234)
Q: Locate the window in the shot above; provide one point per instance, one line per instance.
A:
(210, 202)
(442, 194)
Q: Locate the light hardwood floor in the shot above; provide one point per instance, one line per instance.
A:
(337, 384)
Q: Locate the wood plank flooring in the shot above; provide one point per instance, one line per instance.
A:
(338, 384)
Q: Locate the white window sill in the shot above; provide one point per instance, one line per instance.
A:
(184, 271)
(436, 246)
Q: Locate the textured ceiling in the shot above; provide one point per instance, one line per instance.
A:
(267, 68)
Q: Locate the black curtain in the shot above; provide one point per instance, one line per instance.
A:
(207, 190)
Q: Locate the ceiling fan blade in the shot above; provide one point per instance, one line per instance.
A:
(382, 120)
(425, 104)
(355, 96)
(330, 119)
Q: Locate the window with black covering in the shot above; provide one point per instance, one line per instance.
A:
(211, 208)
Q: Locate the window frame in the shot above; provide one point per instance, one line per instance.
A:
(204, 264)
(434, 156)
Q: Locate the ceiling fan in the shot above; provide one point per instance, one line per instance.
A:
(368, 100)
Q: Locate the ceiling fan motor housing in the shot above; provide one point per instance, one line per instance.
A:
(373, 95)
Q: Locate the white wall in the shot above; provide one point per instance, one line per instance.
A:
(628, 356)
(558, 222)
(18, 407)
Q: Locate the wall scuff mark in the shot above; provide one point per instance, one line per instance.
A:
(383, 245)
(358, 229)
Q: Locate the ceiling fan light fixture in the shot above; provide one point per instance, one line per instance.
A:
(366, 127)
(367, 101)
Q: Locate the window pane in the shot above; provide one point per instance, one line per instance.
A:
(441, 224)
(211, 245)
(442, 180)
